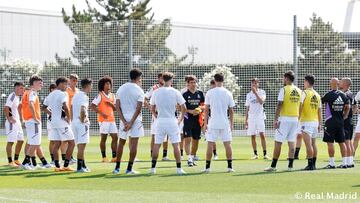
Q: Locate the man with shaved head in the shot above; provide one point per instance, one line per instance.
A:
(344, 85)
(337, 108)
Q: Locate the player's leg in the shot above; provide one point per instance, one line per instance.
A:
(63, 149)
(133, 142)
(51, 147)
(103, 147)
(215, 152)
(155, 155)
(152, 144)
(276, 155)
(194, 147)
(80, 157)
(251, 131)
(182, 143)
(228, 150)
(196, 136)
(343, 151)
(349, 152)
(263, 145)
(69, 152)
(209, 151)
(315, 152)
(177, 158)
(298, 146)
(331, 153)
(309, 151)
(9, 146)
(56, 147)
(18, 148)
(114, 139)
(165, 149)
(254, 147)
(187, 140)
(119, 153)
(291, 154)
(40, 154)
(356, 142)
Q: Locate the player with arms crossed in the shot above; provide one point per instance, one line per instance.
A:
(31, 111)
(57, 101)
(344, 85)
(310, 120)
(286, 119)
(80, 122)
(163, 106)
(337, 109)
(129, 102)
(219, 101)
(13, 122)
(104, 106)
(255, 116)
(193, 120)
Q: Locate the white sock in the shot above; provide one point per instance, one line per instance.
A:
(344, 161)
(351, 160)
(332, 161)
(190, 157)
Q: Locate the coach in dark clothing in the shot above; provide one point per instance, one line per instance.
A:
(336, 111)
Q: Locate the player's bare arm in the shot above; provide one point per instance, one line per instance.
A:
(45, 109)
(320, 118)
(32, 110)
(7, 115)
(94, 108)
(83, 116)
(136, 114)
(182, 112)
(277, 113)
(67, 112)
(119, 111)
(206, 116)
(246, 117)
(231, 118)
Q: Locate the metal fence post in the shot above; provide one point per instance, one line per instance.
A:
(130, 43)
(295, 59)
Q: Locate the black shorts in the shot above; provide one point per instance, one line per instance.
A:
(192, 130)
(334, 133)
(349, 131)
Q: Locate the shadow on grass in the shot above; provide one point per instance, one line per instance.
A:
(267, 173)
(356, 186)
(124, 176)
(42, 174)
(83, 176)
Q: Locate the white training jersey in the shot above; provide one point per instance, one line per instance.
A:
(220, 100)
(55, 101)
(129, 95)
(256, 110)
(80, 99)
(165, 99)
(13, 102)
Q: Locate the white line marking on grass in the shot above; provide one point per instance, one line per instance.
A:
(19, 200)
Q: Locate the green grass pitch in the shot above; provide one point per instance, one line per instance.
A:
(248, 184)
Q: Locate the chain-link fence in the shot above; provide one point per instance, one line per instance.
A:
(52, 48)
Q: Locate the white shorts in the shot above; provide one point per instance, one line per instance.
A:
(213, 134)
(288, 130)
(153, 125)
(14, 131)
(167, 128)
(33, 132)
(255, 126)
(137, 130)
(357, 129)
(309, 128)
(81, 132)
(62, 134)
(108, 128)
